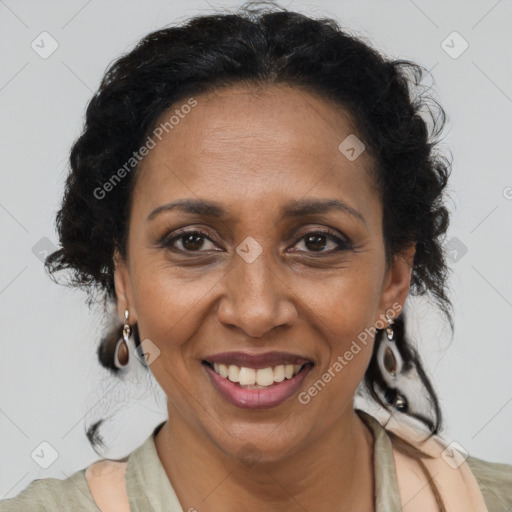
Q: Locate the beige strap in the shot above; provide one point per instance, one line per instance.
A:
(448, 470)
(107, 483)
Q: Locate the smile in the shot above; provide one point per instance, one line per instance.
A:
(262, 387)
(251, 378)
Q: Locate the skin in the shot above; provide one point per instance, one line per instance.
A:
(252, 150)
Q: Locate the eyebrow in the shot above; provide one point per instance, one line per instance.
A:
(291, 209)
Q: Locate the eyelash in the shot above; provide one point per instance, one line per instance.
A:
(167, 242)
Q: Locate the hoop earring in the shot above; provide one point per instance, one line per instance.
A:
(390, 364)
(126, 340)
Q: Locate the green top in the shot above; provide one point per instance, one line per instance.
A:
(149, 488)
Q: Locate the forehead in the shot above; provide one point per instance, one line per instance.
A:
(254, 145)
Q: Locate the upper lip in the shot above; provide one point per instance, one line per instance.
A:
(250, 360)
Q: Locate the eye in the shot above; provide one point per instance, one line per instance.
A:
(190, 241)
(316, 241)
(313, 241)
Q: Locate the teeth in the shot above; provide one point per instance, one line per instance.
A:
(279, 373)
(233, 372)
(247, 376)
(264, 377)
(252, 378)
(223, 370)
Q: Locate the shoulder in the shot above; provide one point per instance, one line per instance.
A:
(53, 494)
(495, 481)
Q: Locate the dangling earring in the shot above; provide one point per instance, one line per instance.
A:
(390, 364)
(126, 340)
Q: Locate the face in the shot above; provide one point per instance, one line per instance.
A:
(255, 273)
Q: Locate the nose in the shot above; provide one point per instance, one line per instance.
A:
(256, 298)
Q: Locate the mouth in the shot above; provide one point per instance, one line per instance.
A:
(256, 378)
(256, 384)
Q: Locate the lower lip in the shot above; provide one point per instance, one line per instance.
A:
(257, 398)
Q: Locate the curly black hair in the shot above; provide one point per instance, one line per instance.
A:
(261, 44)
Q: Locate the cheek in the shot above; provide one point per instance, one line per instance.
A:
(345, 309)
(349, 335)
(169, 313)
(170, 304)
(348, 302)
(346, 327)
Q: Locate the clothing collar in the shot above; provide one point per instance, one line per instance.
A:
(149, 487)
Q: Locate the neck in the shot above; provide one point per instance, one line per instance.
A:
(333, 473)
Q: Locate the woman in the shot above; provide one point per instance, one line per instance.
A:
(258, 194)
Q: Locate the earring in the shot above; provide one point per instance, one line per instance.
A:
(390, 364)
(126, 340)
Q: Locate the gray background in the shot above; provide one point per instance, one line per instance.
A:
(50, 380)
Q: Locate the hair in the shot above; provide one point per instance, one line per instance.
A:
(264, 44)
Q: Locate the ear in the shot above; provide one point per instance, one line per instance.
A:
(123, 288)
(397, 282)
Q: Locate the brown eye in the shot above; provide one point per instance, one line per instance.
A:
(316, 241)
(191, 241)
